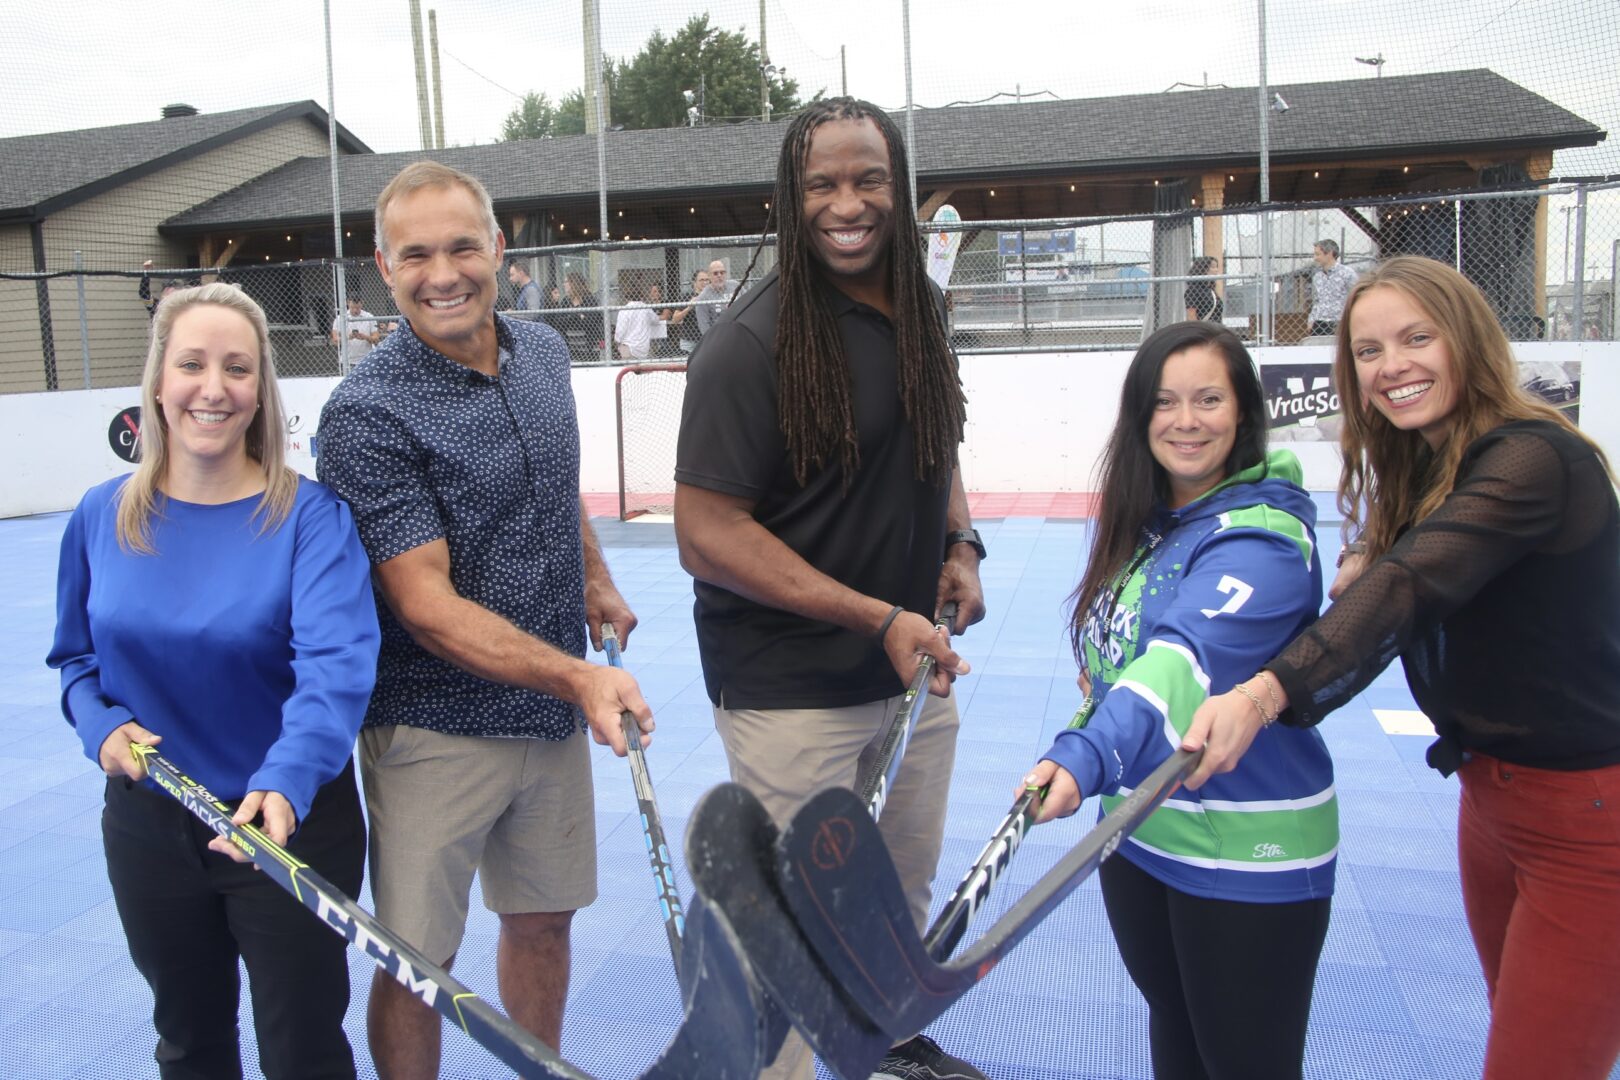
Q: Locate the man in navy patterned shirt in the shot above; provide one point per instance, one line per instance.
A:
(455, 442)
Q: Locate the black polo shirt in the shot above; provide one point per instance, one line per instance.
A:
(885, 537)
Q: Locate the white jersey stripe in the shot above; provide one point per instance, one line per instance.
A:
(1276, 867)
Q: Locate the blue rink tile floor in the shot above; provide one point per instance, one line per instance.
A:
(1398, 995)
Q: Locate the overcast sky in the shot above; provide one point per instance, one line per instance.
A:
(68, 64)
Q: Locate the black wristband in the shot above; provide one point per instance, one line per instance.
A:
(888, 622)
(964, 536)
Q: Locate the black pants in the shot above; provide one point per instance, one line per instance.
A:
(1228, 984)
(189, 913)
(1324, 327)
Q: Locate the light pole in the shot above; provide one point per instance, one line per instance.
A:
(1374, 62)
(765, 70)
(694, 103)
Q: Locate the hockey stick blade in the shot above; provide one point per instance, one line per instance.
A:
(652, 822)
(731, 855)
(844, 891)
(719, 1038)
(429, 983)
(723, 1035)
(877, 771)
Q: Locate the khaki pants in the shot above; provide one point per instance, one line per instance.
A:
(784, 756)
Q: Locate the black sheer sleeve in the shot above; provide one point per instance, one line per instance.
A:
(1510, 499)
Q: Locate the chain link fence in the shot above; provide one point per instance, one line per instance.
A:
(1016, 286)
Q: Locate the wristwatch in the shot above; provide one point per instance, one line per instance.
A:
(965, 536)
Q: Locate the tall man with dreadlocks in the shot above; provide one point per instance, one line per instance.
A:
(818, 505)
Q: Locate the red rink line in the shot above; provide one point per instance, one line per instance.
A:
(1052, 505)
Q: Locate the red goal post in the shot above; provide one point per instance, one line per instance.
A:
(647, 408)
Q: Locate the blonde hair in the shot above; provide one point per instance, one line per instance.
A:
(430, 174)
(139, 498)
(1392, 474)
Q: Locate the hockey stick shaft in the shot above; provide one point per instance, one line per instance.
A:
(1097, 845)
(652, 823)
(429, 983)
(946, 933)
(878, 774)
(953, 920)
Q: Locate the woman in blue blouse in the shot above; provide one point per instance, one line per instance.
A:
(218, 603)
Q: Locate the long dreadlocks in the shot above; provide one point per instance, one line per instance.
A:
(813, 379)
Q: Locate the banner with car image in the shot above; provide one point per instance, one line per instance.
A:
(1303, 406)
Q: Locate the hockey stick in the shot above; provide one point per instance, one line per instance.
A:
(719, 1036)
(731, 855)
(878, 770)
(652, 823)
(952, 923)
(428, 982)
(970, 894)
(844, 891)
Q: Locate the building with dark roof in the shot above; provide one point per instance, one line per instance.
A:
(255, 185)
(104, 193)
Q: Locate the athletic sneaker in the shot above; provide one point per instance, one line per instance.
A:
(920, 1058)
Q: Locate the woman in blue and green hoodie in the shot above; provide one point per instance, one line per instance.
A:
(1203, 566)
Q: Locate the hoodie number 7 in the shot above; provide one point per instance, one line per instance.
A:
(1239, 593)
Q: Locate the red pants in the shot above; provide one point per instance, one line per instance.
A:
(1539, 853)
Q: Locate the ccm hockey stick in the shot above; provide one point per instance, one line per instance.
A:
(717, 1038)
(844, 891)
(652, 823)
(731, 855)
(952, 923)
(877, 771)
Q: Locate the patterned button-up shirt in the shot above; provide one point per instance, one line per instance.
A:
(426, 449)
(1329, 290)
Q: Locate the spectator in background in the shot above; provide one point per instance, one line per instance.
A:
(714, 297)
(527, 303)
(145, 290)
(363, 333)
(1202, 300)
(633, 328)
(1330, 288)
(582, 326)
(685, 320)
(663, 345)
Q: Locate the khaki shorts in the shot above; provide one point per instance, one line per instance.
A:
(521, 812)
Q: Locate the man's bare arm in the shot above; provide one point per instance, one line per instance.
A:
(959, 576)
(417, 588)
(603, 602)
(722, 544)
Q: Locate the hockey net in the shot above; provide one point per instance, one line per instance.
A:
(647, 401)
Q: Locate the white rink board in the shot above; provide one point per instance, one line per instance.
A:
(1036, 423)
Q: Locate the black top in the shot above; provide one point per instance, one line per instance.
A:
(1504, 605)
(884, 538)
(422, 449)
(1202, 298)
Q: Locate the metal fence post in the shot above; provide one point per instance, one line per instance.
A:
(84, 320)
(1578, 299)
(1023, 285)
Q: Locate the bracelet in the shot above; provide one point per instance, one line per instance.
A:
(888, 621)
(1265, 721)
(1271, 692)
(1354, 547)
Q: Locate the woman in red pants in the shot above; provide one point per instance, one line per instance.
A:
(1492, 568)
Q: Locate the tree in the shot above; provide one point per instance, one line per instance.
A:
(647, 91)
(650, 86)
(532, 118)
